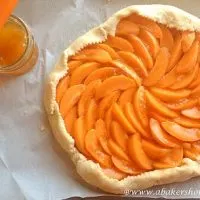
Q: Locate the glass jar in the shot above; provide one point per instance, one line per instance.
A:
(18, 50)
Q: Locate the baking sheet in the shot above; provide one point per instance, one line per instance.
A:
(32, 165)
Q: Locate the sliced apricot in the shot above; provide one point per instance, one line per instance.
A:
(91, 115)
(189, 59)
(141, 50)
(183, 104)
(119, 116)
(159, 106)
(167, 39)
(117, 150)
(119, 135)
(137, 153)
(196, 91)
(158, 116)
(108, 118)
(93, 147)
(139, 103)
(80, 73)
(93, 55)
(114, 83)
(79, 135)
(173, 159)
(184, 80)
(102, 135)
(126, 27)
(180, 132)
(159, 68)
(131, 116)
(106, 102)
(114, 173)
(127, 70)
(147, 24)
(101, 73)
(86, 96)
(161, 136)
(193, 113)
(70, 98)
(73, 64)
(152, 43)
(196, 80)
(168, 79)
(126, 96)
(70, 118)
(169, 95)
(119, 43)
(110, 50)
(135, 62)
(153, 150)
(187, 40)
(187, 122)
(125, 166)
(61, 88)
(176, 52)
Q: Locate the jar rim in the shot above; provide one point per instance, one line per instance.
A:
(14, 65)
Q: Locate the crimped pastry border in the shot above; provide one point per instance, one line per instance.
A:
(91, 172)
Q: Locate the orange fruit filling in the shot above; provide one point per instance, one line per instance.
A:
(132, 102)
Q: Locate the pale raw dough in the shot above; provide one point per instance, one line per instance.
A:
(88, 170)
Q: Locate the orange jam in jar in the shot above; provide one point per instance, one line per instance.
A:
(18, 50)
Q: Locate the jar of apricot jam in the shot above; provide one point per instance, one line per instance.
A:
(18, 50)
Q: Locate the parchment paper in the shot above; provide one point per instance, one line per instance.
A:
(32, 165)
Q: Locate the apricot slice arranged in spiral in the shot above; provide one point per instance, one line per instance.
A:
(167, 39)
(189, 59)
(161, 136)
(131, 116)
(139, 103)
(70, 118)
(126, 27)
(187, 40)
(121, 118)
(86, 96)
(93, 147)
(159, 106)
(193, 113)
(169, 95)
(81, 72)
(71, 98)
(141, 50)
(119, 43)
(159, 68)
(93, 55)
(147, 24)
(151, 42)
(101, 73)
(181, 133)
(114, 83)
(119, 135)
(154, 151)
(137, 153)
(173, 159)
(126, 97)
(185, 80)
(117, 150)
(132, 102)
(61, 88)
(125, 166)
(135, 62)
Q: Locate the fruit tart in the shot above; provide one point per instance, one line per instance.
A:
(124, 99)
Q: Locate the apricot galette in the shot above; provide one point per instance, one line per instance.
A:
(124, 99)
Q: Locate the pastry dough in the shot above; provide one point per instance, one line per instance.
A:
(91, 172)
